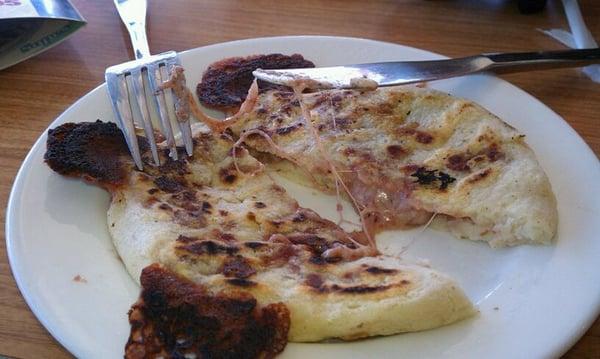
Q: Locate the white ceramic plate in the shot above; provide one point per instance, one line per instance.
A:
(533, 301)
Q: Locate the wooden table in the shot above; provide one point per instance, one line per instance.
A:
(34, 93)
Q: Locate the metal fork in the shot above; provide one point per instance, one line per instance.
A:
(134, 88)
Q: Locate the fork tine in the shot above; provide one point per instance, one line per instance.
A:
(156, 78)
(140, 95)
(122, 110)
(140, 79)
(186, 135)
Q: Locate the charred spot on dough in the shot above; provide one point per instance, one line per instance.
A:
(410, 129)
(478, 158)
(493, 153)
(317, 260)
(143, 177)
(336, 100)
(367, 157)
(261, 111)
(349, 151)
(206, 207)
(359, 289)
(476, 177)
(378, 270)
(287, 108)
(229, 225)
(426, 177)
(241, 282)
(316, 244)
(227, 237)
(251, 216)
(279, 255)
(383, 108)
(276, 117)
(445, 179)
(299, 217)
(165, 207)
(237, 267)
(314, 280)
(192, 219)
(277, 188)
(395, 151)
(227, 175)
(458, 162)
(186, 239)
(188, 201)
(259, 205)
(197, 185)
(283, 95)
(188, 196)
(170, 184)
(171, 166)
(465, 106)
(254, 245)
(208, 247)
(410, 168)
(423, 137)
(150, 201)
(190, 207)
(319, 99)
(288, 129)
(340, 123)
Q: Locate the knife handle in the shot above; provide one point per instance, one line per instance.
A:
(523, 61)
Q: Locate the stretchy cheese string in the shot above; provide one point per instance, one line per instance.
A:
(177, 84)
(416, 236)
(278, 150)
(332, 112)
(341, 251)
(338, 206)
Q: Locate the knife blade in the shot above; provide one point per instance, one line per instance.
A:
(407, 72)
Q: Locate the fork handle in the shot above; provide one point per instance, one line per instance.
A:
(522, 61)
(133, 15)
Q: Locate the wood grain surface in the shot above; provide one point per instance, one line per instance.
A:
(35, 92)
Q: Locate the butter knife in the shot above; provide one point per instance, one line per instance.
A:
(406, 72)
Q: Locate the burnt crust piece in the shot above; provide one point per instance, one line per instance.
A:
(426, 177)
(225, 83)
(95, 151)
(175, 318)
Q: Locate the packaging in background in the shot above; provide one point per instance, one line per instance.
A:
(28, 27)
